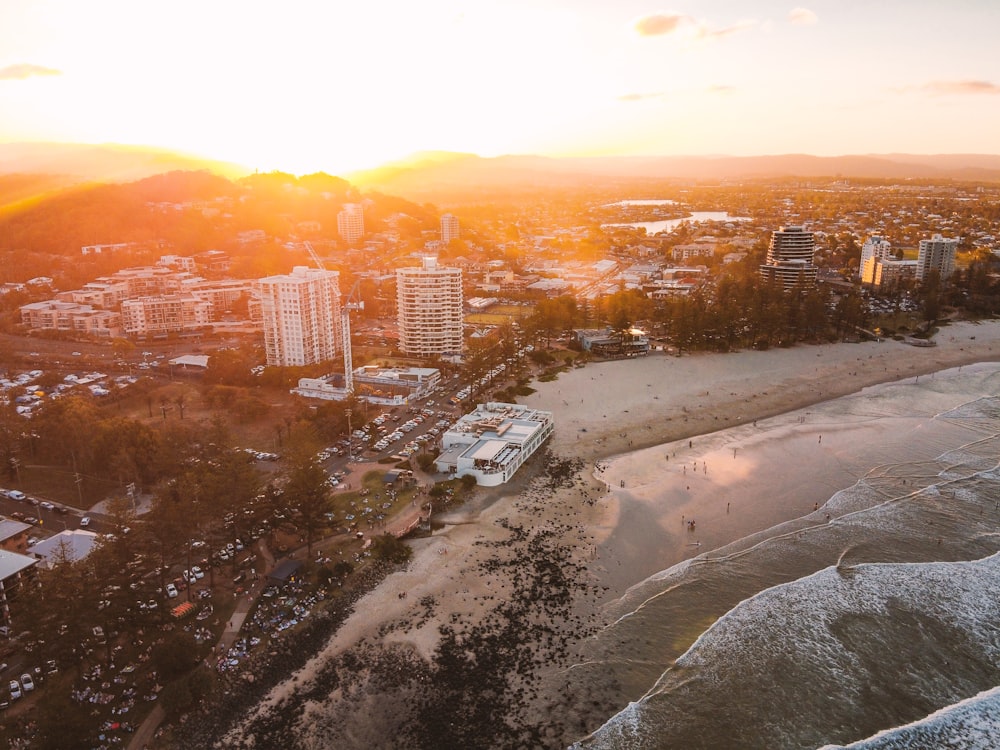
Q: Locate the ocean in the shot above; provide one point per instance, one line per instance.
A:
(878, 627)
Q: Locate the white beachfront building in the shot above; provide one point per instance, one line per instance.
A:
(492, 442)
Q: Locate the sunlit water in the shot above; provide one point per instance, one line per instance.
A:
(668, 225)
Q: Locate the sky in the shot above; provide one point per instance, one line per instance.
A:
(305, 86)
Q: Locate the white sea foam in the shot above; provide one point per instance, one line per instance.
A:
(971, 724)
(797, 643)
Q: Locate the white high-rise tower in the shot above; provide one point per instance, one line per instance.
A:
(789, 259)
(429, 309)
(351, 223)
(449, 228)
(301, 313)
(936, 254)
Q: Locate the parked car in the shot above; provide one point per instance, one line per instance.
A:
(15, 690)
(16, 495)
(47, 505)
(85, 522)
(171, 591)
(27, 684)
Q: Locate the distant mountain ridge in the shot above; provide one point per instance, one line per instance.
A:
(443, 175)
(438, 175)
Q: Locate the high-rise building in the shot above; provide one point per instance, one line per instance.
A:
(875, 248)
(936, 254)
(351, 223)
(429, 309)
(449, 228)
(301, 313)
(789, 260)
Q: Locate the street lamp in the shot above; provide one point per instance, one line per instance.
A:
(350, 438)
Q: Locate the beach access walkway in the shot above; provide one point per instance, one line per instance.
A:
(244, 603)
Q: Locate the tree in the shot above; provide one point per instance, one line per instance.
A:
(66, 431)
(929, 295)
(65, 609)
(177, 654)
(307, 490)
(342, 569)
(63, 723)
(388, 548)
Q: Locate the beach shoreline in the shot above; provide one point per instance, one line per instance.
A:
(662, 414)
(710, 391)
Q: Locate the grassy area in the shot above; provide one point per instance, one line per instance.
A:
(500, 314)
(371, 493)
(59, 485)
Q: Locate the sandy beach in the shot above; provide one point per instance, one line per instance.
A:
(641, 448)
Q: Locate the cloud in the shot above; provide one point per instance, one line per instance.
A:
(706, 33)
(658, 24)
(21, 71)
(960, 87)
(663, 23)
(637, 97)
(802, 17)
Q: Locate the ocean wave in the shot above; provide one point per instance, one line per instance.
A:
(823, 629)
(971, 724)
(834, 655)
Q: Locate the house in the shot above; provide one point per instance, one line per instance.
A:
(71, 545)
(14, 535)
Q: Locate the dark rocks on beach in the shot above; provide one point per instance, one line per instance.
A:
(482, 688)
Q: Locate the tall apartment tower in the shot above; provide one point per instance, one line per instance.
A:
(301, 313)
(789, 260)
(876, 248)
(351, 223)
(449, 228)
(936, 254)
(429, 309)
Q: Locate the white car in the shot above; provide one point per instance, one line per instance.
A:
(171, 591)
(85, 522)
(15, 690)
(47, 505)
(197, 573)
(27, 683)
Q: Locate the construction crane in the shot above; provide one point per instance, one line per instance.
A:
(351, 303)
